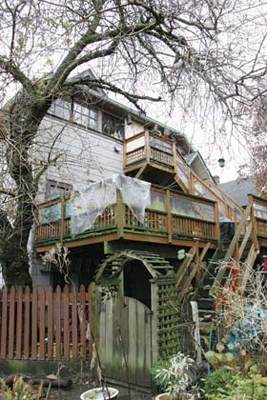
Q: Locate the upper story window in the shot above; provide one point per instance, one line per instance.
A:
(84, 115)
(112, 126)
(61, 109)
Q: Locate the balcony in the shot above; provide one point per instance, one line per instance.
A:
(171, 218)
(146, 153)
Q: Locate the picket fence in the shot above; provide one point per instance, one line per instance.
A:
(46, 324)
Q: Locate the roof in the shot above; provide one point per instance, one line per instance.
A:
(196, 162)
(239, 189)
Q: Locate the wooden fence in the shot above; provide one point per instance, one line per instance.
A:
(42, 324)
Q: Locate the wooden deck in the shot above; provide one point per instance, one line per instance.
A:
(172, 218)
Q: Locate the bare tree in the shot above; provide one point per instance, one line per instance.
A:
(192, 48)
(257, 146)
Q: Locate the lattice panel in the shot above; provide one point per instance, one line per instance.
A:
(168, 320)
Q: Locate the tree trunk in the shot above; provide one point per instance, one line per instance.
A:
(14, 237)
(15, 265)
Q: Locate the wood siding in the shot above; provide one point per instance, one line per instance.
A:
(83, 155)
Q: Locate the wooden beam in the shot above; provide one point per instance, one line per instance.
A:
(141, 170)
(185, 264)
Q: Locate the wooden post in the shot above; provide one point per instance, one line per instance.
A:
(174, 158)
(169, 215)
(62, 219)
(253, 222)
(147, 147)
(120, 214)
(217, 221)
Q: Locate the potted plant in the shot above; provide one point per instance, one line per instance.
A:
(175, 377)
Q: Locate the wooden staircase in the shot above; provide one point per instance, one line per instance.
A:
(228, 269)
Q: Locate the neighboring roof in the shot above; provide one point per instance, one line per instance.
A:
(239, 189)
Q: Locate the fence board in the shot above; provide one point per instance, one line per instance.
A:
(40, 324)
(4, 324)
(82, 322)
(41, 296)
(19, 323)
(66, 341)
(11, 325)
(74, 327)
(50, 336)
(27, 321)
(34, 323)
(58, 323)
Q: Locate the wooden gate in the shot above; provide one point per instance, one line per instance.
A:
(124, 341)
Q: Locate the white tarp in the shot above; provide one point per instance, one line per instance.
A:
(135, 193)
(91, 201)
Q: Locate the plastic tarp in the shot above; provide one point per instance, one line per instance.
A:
(91, 201)
(135, 194)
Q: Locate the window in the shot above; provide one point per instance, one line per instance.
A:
(56, 189)
(83, 115)
(61, 109)
(86, 116)
(112, 126)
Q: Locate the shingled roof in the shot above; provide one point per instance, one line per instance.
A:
(239, 189)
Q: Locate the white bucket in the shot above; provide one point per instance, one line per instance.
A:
(100, 394)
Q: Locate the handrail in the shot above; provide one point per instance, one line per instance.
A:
(250, 231)
(134, 137)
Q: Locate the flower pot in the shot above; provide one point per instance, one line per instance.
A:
(99, 394)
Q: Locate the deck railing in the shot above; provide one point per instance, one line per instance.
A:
(170, 214)
(260, 215)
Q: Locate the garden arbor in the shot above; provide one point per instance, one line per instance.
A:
(136, 314)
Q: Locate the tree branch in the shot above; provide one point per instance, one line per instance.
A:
(100, 83)
(9, 67)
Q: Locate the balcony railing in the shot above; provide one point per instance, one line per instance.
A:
(260, 216)
(170, 216)
(147, 148)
